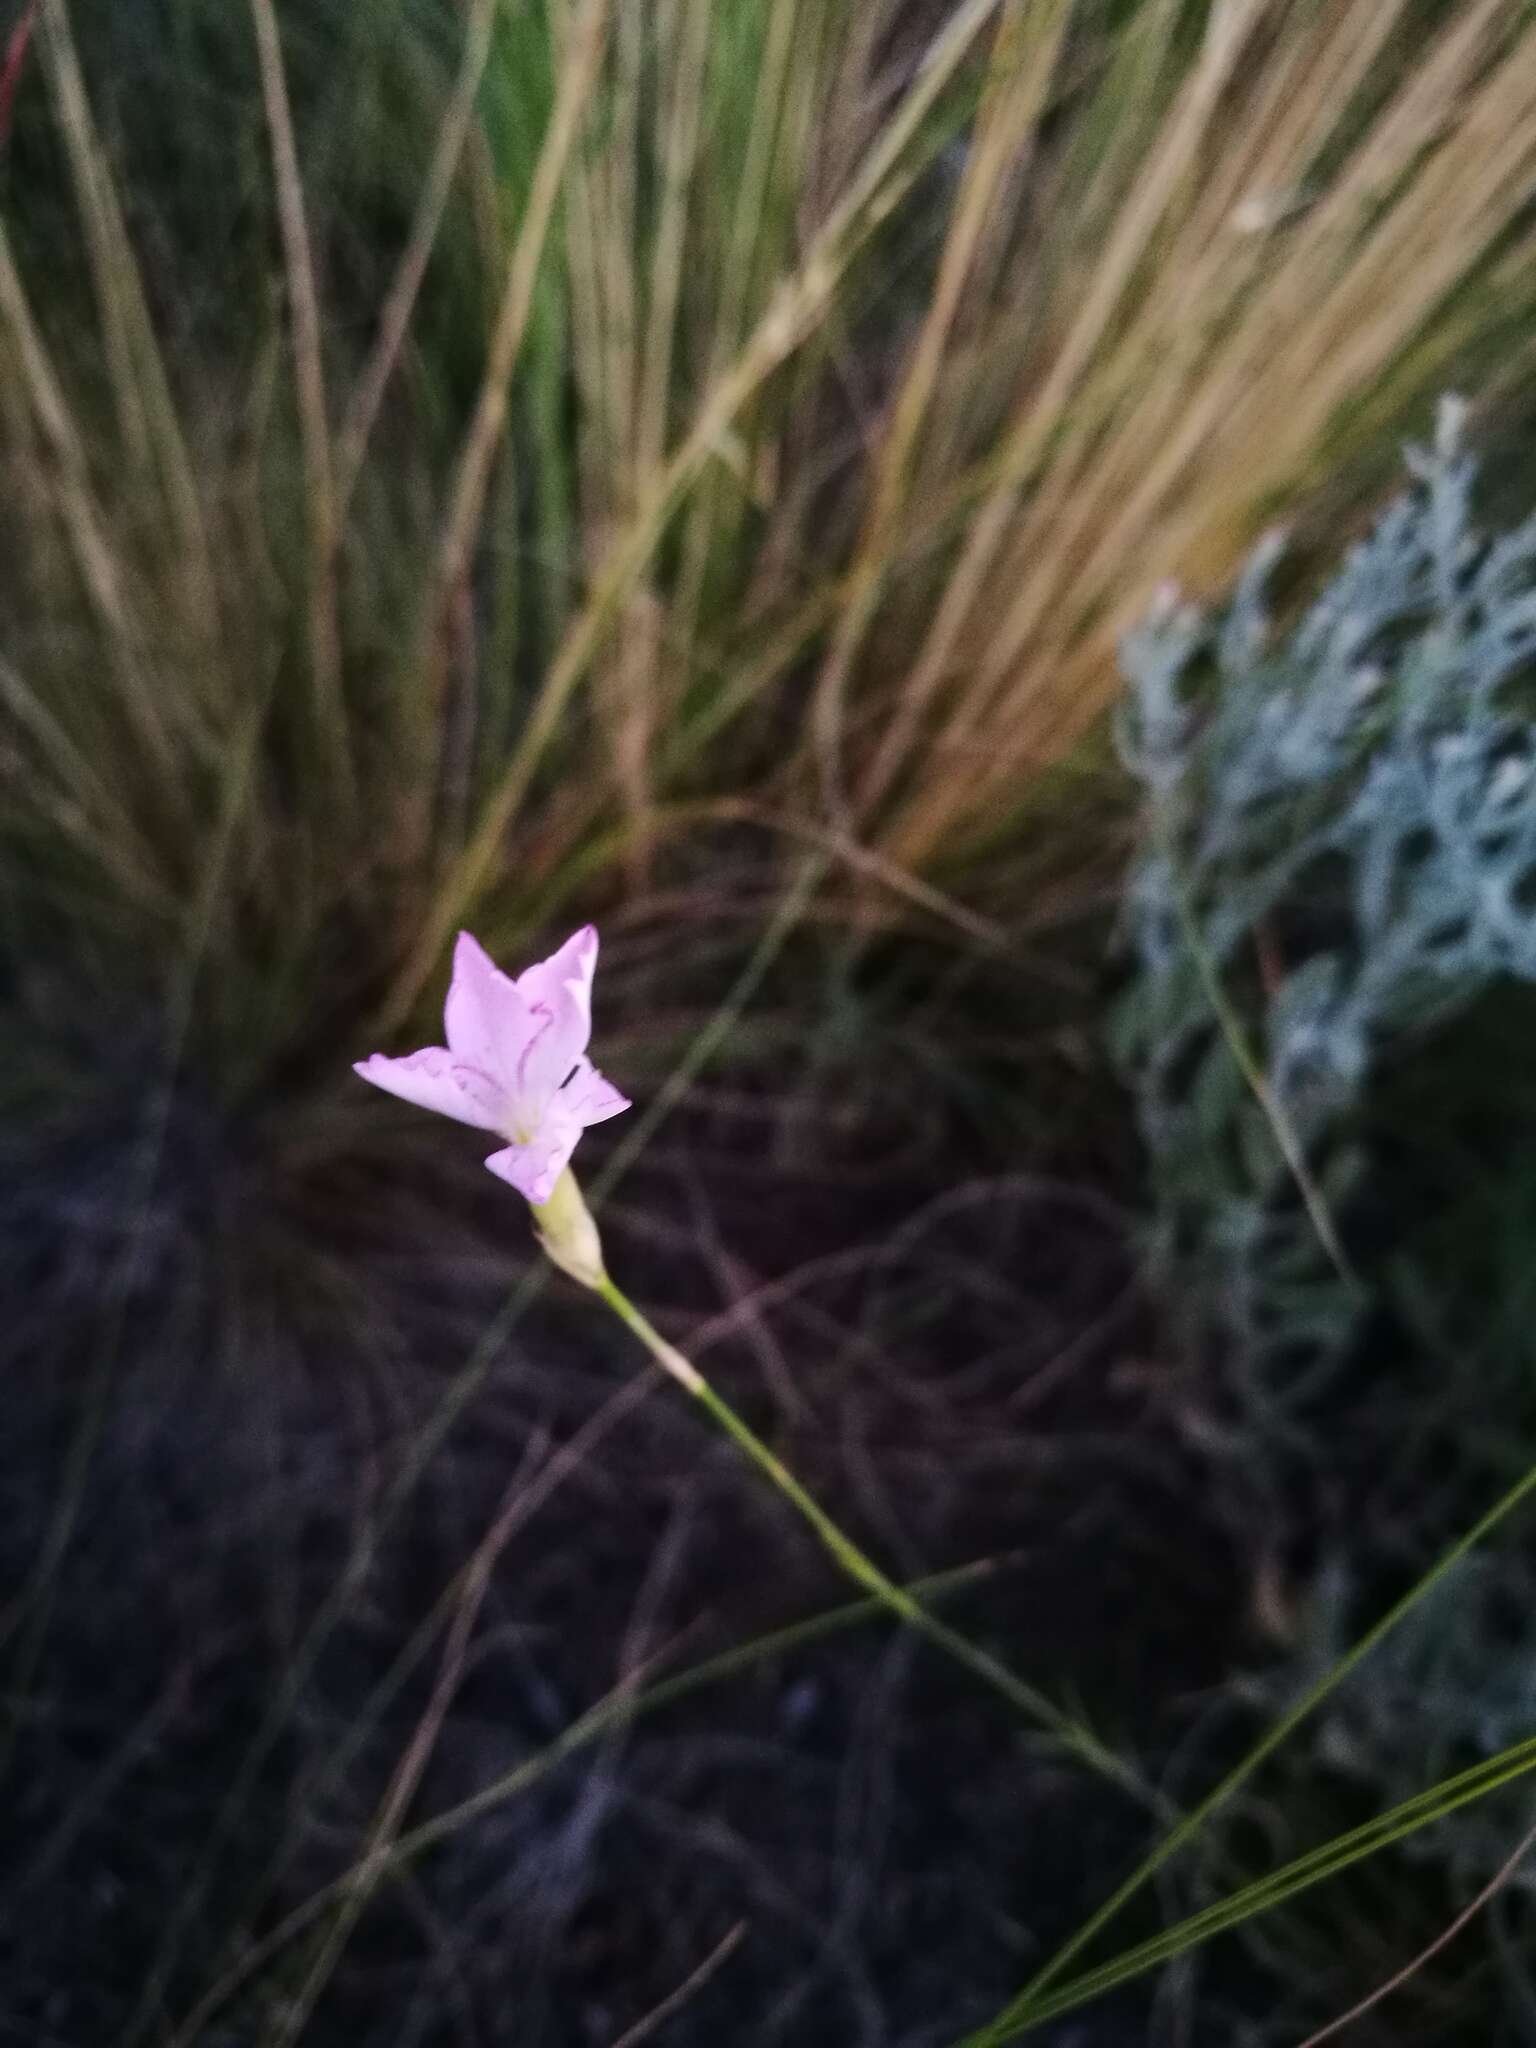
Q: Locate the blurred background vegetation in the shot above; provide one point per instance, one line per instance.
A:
(692, 465)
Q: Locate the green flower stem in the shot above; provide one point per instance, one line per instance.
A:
(1031, 2003)
(858, 1565)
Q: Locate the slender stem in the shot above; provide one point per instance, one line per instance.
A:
(618, 1708)
(1026, 2007)
(859, 1566)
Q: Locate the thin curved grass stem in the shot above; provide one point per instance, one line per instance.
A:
(620, 1707)
(1030, 2004)
(863, 1570)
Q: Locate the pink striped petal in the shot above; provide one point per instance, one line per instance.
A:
(589, 1096)
(486, 1019)
(435, 1079)
(534, 1168)
(558, 995)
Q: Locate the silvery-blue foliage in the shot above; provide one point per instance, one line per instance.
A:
(1339, 854)
(1455, 1685)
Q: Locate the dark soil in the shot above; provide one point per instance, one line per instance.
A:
(872, 1849)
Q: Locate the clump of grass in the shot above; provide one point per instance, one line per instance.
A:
(614, 447)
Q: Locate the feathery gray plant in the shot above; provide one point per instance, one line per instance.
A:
(1339, 855)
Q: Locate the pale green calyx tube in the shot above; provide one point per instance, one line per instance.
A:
(568, 1233)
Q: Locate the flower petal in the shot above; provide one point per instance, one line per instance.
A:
(558, 993)
(533, 1169)
(589, 1096)
(434, 1079)
(487, 1020)
(565, 978)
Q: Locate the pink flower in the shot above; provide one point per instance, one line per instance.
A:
(516, 1061)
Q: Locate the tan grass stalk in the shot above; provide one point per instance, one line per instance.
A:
(1172, 161)
(796, 307)
(1380, 292)
(141, 389)
(400, 302)
(1023, 60)
(85, 527)
(466, 498)
(314, 424)
(741, 480)
(77, 802)
(635, 704)
(1222, 382)
(83, 521)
